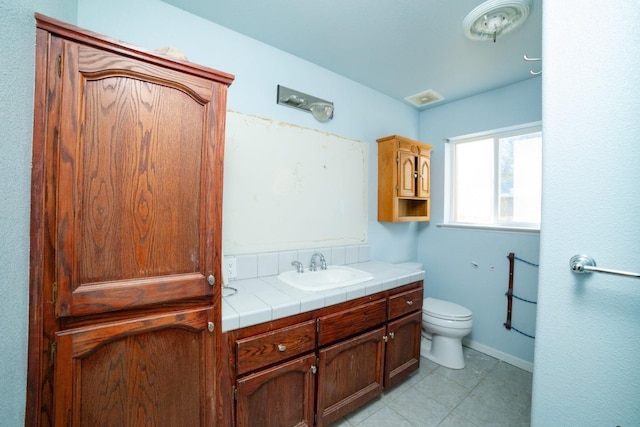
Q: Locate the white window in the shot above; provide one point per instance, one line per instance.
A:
(495, 178)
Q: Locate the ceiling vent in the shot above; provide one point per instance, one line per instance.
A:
(424, 98)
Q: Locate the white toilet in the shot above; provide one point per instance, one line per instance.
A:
(447, 323)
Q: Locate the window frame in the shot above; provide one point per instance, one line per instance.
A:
(450, 176)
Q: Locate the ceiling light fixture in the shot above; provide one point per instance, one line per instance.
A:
(495, 18)
(322, 110)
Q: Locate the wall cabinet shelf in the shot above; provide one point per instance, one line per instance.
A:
(318, 366)
(404, 180)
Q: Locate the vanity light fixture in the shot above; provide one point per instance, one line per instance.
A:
(322, 110)
(495, 18)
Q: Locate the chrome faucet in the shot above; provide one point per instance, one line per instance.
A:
(323, 263)
(299, 266)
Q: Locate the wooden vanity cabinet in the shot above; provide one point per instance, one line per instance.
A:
(322, 365)
(404, 180)
(126, 218)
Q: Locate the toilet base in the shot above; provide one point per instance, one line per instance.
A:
(445, 351)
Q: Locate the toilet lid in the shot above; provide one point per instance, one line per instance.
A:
(445, 309)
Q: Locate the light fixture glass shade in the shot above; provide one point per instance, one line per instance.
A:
(495, 18)
(322, 111)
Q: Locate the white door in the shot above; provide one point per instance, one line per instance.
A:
(587, 356)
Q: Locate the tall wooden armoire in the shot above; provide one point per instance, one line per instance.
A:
(125, 308)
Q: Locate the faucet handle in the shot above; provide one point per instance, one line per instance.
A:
(298, 265)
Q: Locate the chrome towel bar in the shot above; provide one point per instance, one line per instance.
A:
(586, 264)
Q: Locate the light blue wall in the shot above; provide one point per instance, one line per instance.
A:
(360, 113)
(17, 43)
(588, 347)
(447, 253)
(17, 39)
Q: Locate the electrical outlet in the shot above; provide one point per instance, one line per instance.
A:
(232, 270)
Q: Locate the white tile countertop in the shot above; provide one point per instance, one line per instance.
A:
(263, 299)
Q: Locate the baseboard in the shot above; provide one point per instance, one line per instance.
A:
(507, 358)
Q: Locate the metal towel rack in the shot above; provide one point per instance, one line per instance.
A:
(586, 264)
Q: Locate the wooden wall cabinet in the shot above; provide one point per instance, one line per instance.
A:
(317, 367)
(125, 234)
(404, 180)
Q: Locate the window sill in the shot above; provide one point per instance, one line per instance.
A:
(525, 230)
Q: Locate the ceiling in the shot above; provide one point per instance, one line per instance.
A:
(397, 47)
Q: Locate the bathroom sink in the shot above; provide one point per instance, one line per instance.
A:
(335, 276)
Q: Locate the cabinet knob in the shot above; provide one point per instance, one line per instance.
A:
(409, 302)
(282, 347)
(392, 335)
(211, 280)
(210, 326)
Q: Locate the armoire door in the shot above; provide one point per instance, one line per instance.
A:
(157, 370)
(138, 185)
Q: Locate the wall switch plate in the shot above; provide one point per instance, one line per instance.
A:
(232, 269)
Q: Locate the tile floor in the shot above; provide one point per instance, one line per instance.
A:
(487, 392)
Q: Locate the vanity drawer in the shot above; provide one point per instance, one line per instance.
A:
(343, 324)
(405, 302)
(271, 347)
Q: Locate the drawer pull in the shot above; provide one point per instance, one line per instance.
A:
(410, 302)
(282, 347)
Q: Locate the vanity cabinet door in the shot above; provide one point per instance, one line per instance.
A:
(157, 370)
(282, 396)
(403, 348)
(350, 373)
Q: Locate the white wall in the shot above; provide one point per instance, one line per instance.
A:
(587, 350)
(447, 253)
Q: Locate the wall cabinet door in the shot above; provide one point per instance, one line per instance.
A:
(282, 396)
(154, 370)
(406, 174)
(403, 348)
(138, 184)
(423, 187)
(350, 373)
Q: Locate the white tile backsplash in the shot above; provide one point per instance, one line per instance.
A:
(284, 261)
(268, 264)
(352, 255)
(363, 253)
(338, 255)
(247, 266)
(250, 266)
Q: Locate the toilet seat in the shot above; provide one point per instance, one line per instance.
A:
(445, 310)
